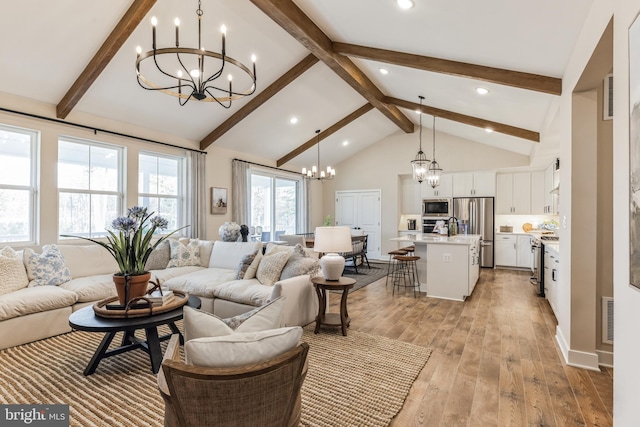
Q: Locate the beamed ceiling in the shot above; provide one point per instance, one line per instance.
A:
(317, 60)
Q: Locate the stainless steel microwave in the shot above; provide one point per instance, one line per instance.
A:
(437, 208)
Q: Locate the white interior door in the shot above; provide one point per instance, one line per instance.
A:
(361, 210)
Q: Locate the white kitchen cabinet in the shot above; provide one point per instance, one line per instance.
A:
(550, 183)
(506, 250)
(551, 278)
(474, 184)
(411, 197)
(452, 270)
(513, 193)
(524, 256)
(538, 201)
(445, 189)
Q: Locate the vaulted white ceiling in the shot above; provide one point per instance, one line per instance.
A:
(47, 44)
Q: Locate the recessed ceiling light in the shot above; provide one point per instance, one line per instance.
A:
(293, 120)
(384, 71)
(488, 130)
(345, 143)
(482, 90)
(405, 4)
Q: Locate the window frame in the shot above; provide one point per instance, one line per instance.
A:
(33, 188)
(122, 153)
(274, 176)
(181, 186)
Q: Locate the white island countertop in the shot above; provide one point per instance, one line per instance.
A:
(459, 239)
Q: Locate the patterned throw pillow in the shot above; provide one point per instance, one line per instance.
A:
(299, 263)
(159, 257)
(47, 268)
(13, 276)
(244, 265)
(184, 256)
(270, 267)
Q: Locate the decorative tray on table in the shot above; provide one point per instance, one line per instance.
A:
(110, 308)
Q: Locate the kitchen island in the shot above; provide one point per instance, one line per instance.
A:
(449, 266)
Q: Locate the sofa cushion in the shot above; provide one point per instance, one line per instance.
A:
(246, 291)
(47, 268)
(271, 266)
(33, 300)
(184, 255)
(170, 273)
(300, 263)
(88, 260)
(199, 324)
(159, 257)
(228, 254)
(92, 288)
(13, 275)
(241, 348)
(202, 282)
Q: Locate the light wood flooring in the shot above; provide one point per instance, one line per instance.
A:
(495, 361)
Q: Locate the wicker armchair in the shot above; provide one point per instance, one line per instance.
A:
(264, 394)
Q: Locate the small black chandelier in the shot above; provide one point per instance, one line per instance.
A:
(315, 172)
(182, 71)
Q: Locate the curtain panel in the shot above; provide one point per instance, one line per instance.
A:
(196, 194)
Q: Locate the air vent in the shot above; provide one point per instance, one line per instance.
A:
(607, 97)
(607, 320)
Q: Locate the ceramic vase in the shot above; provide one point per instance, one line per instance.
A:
(229, 232)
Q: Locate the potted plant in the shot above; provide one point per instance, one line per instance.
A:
(130, 245)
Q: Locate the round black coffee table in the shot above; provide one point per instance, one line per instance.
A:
(85, 319)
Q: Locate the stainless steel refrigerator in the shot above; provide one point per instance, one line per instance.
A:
(475, 216)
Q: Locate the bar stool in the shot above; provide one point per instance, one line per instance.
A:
(392, 263)
(409, 249)
(406, 269)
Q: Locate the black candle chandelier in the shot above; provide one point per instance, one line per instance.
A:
(315, 172)
(182, 71)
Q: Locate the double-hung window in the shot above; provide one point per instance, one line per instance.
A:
(161, 186)
(18, 178)
(275, 204)
(90, 186)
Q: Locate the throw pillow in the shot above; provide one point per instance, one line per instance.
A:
(184, 256)
(241, 349)
(270, 267)
(13, 275)
(200, 324)
(299, 263)
(47, 268)
(244, 265)
(206, 247)
(159, 257)
(253, 268)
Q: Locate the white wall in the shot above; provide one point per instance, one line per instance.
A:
(384, 163)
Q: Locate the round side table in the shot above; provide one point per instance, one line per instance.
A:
(332, 319)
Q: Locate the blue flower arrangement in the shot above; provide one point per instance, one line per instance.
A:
(130, 245)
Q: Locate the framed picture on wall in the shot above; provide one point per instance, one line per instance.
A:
(634, 153)
(218, 201)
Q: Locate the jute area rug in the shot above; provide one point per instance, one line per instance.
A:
(358, 380)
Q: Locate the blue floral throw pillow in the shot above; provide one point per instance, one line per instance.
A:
(184, 255)
(47, 268)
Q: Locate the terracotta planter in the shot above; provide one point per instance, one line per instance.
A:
(138, 286)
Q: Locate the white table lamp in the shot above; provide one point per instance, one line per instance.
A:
(330, 240)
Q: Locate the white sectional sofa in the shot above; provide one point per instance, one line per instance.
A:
(33, 313)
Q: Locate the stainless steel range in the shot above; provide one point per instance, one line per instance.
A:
(537, 248)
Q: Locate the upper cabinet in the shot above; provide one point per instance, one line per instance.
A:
(474, 184)
(513, 193)
(445, 189)
(550, 188)
(538, 193)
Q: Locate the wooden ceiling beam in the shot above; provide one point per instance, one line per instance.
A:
(127, 24)
(467, 120)
(259, 99)
(535, 82)
(286, 14)
(330, 130)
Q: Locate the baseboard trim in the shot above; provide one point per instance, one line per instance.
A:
(605, 358)
(575, 358)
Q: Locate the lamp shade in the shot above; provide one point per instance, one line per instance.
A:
(331, 240)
